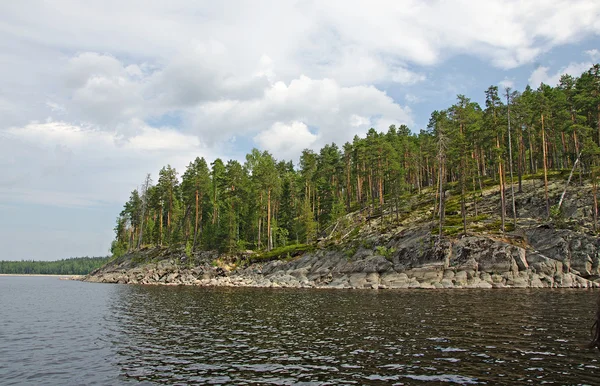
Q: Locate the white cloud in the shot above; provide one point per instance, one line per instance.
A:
(283, 139)
(412, 98)
(506, 83)
(208, 59)
(594, 54)
(538, 76)
(52, 198)
(208, 72)
(165, 139)
(204, 72)
(359, 121)
(542, 75)
(84, 66)
(337, 113)
(404, 76)
(56, 108)
(506, 33)
(102, 89)
(57, 163)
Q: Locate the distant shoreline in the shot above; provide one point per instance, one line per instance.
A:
(38, 274)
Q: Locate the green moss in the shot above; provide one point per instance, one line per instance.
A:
(288, 251)
(452, 231)
(451, 221)
(496, 226)
(481, 217)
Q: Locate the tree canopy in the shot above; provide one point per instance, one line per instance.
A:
(266, 203)
(72, 266)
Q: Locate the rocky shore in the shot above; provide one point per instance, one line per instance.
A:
(391, 251)
(546, 258)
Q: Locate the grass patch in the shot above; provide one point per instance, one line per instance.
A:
(453, 225)
(452, 231)
(496, 226)
(281, 253)
(552, 175)
(480, 217)
(452, 221)
(354, 233)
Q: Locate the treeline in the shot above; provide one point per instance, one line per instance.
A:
(265, 203)
(72, 266)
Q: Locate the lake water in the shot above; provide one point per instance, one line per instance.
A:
(65, 332)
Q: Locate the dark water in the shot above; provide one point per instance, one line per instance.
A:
(62, 332)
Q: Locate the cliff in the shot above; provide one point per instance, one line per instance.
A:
(400, 248)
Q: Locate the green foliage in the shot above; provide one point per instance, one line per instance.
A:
(384, 251)
(72, 266)
(556, 213)
(118, 248)
(188, 249)
(389, 177)
(282, 252)
(368, 244)
(354, 233)
(351, 251)
(308, 222)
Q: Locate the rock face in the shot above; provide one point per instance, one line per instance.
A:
(415, 259)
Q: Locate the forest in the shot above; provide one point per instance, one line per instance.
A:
(266, 203)
(72, 266)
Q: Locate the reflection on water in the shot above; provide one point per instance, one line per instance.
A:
(317, 337)
(54, 332)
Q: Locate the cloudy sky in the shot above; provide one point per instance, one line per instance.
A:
(94, 95)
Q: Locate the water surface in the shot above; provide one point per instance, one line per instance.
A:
(66, 332)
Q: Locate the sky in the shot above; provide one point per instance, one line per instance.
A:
(94, 95)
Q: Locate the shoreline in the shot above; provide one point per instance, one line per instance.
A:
(336, 288)
(39, 275)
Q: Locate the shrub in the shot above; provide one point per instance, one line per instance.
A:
(385, 252)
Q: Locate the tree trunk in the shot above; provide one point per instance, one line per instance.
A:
(270, 238)
(441, 187)
(510, 163)
(576, 143)
(564, 159)
(545, 169)
(442, 209)
(371, 187)
(215, 209)
(196, 222)
(139, 241)
(501, 177)
(258, 244)
(562, 196)
(130, 239)
(463, 209)
(169, 222)
(483, 170)
(348, 185)
(381, 192)
(521, 161)
(598, 121)
(380, 180)
(532, 168)
(161, 225)
(595, 195)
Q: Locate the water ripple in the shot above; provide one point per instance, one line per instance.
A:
(78, 333)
